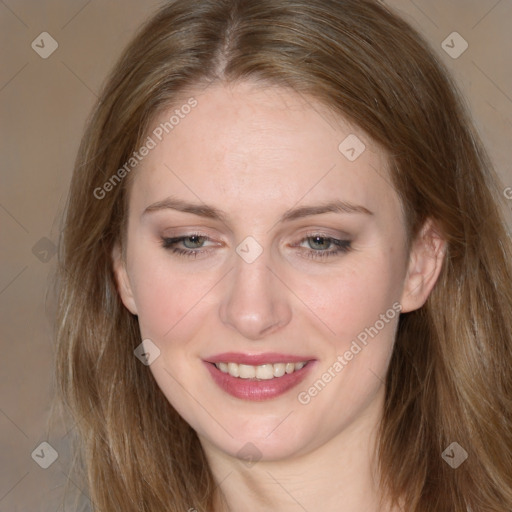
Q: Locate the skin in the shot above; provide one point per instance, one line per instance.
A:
(256, 152)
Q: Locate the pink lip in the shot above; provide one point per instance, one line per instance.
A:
(256, 359)
(254, 389)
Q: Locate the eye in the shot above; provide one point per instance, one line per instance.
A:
(323, 247)
(192, 244)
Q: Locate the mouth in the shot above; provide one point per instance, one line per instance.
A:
(269, 376)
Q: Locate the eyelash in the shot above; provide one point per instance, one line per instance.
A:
(341, 246)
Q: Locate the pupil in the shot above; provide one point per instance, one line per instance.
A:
(320, 241)
(195, 241)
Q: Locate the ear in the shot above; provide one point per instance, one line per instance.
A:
(425, 263)
(122, 280)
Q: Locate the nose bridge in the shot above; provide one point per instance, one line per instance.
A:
(256, 302)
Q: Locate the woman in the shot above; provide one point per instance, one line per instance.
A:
(285, 277)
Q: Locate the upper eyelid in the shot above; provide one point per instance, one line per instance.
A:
(179, 238)
(325, 232)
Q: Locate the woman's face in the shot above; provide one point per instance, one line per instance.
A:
(261, 236)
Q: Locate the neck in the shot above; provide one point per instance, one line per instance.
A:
(340, 475)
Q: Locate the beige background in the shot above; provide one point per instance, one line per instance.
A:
(44, 104)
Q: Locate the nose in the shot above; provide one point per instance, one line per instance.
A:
(256, 302)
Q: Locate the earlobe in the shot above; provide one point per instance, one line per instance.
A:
(122, 280)
(425, 263)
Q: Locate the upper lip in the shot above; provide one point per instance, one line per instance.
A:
(256, 359)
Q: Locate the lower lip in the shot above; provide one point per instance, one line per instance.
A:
(258, 390)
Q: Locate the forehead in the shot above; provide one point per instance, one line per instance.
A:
(247, 147)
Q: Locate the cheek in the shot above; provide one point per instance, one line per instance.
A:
(164, 295)
(362, 307)
(350, 301)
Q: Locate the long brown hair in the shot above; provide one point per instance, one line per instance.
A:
(449, 379)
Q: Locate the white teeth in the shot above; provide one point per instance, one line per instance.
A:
(234, 369)
(246, 371)
(290, 367)
(265, 371)
(279, 369)
(261, 372)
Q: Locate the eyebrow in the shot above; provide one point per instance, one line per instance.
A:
(211, 212)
